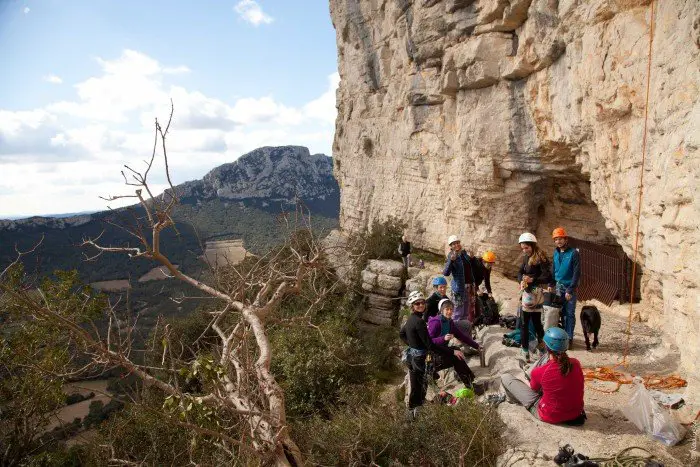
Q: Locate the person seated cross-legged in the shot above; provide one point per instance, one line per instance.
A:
(555, 393)
(420, 346)
(442, 329)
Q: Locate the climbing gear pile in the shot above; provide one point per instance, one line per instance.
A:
(625, 458)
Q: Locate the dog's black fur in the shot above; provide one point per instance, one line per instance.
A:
(590, 321)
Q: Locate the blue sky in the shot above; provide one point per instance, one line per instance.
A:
(82, 82)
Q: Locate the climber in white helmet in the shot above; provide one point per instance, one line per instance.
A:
(415, 334)
(534, 276)
(460, 266)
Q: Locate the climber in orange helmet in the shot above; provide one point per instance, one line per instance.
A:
(483, 272)
(566, 271)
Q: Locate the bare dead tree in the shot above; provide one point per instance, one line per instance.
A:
(238, 388)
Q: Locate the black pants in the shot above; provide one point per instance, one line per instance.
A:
(419, 380)
(464, 373)
(419, 383)
(536, 319)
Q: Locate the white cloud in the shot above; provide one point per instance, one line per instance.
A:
(176, 70)
(26, 10)
(84, 141)
(252, 12)
(324, 108)
(53, 79)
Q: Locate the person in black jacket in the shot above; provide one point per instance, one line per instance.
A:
(405, 251)
(439, 292)
(415, 334)
(534, 276)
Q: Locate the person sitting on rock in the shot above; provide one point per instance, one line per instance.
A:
(459, 265)
(555, 393)
(442, 329)
(439, 292)
(415, 334)
(534, 276)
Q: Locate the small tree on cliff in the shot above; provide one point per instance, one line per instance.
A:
(229, 394)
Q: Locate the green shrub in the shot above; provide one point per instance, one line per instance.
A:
(143, 435)
(466, 434)
(382, 240)
(316, 366)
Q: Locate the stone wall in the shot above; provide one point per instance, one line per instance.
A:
(382, 281)
(487, 118)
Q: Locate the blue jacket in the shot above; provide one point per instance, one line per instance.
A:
(461, 271)
(566, 268)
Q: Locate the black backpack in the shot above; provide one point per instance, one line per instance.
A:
(489, 310)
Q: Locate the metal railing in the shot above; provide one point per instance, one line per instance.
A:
(605, 272)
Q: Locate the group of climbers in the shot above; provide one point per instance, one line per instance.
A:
(555, 394)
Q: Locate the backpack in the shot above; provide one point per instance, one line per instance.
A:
(489, 307)
(508, 321)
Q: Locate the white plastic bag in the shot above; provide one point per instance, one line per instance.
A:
(550, 316)
(650, 417)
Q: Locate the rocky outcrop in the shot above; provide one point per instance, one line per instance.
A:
(487, 118)
(280, 173)
(383, 281)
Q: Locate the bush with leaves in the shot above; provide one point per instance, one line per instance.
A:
(466, 434)
(36, 356)
(381, 241)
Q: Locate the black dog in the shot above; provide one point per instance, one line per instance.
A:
(590, 321)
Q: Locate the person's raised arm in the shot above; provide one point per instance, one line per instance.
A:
(447, 270)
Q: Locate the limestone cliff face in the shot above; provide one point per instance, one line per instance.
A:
(488, 118)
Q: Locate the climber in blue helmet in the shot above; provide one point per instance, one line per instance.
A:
(555, 394)
(439, 292)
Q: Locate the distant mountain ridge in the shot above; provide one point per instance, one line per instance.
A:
(269, 175)
(273, 173)
(239, 200)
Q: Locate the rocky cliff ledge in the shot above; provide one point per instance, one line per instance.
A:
(490, 117)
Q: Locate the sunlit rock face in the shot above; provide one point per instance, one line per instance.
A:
(487, 118)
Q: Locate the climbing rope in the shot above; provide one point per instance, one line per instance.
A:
(609, 374)
(641, 183)
(625, 459)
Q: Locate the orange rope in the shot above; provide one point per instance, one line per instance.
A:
(641, 184)
(609, 374)
(650, 381)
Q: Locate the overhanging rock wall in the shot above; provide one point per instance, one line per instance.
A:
(491, 117)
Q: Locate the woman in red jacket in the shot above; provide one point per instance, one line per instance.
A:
(555, 394)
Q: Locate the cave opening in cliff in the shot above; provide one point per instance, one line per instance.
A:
(606, 269)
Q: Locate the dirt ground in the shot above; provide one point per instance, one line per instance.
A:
(66, 414)
(111, 286)
(225, 252)
(157, 274)
(606, 432)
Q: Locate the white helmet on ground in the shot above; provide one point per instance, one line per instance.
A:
(527, 237)
(452, 239)
(414, 297)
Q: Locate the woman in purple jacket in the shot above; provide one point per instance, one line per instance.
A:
(442, 329)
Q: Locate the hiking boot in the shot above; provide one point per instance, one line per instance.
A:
(478, 388)
(525, 354)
